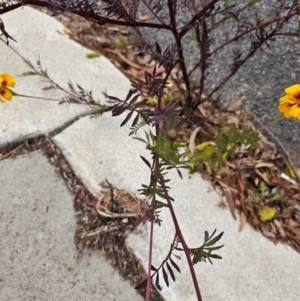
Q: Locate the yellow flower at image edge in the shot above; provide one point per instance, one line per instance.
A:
(289, 104)
(6, 80)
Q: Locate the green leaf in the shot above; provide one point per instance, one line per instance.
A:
(275, 197)
(213, 248)
(92, 55)
(263, 188)
(134, 99)
(286, 210)
(29, 73)
(122, 44)
(160, 205)
(213, 241)
(215, 256)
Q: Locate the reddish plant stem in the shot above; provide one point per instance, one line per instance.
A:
(95, 18)
(186, 28)
(151, 242)
(182, 241)
(177, 38)
(155, 165)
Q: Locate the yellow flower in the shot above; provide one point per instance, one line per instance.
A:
(290, 103)
(6, 80)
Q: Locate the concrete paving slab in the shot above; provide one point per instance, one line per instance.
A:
(107, 152)
(39, 36)
(252, 268)
(37, 250)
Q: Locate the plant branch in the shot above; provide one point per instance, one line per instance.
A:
(237, 37)
(184, 245)
(186, 28)
(242, 62)
(180, 52)
(94, 17)
(152, 208)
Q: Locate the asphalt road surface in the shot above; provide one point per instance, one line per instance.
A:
(261, 81)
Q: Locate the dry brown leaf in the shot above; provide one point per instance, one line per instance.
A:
(296, 231)
(242, 183)
(263, 176)
(230, 202)
(202, 110)
(145, 17)
(277, 181)
(281, 232)
(230, 164)
(123, 58)
(222, 204)
(225, 186)
(278, 223)
(192, 144)
(234, 105)
(243, 220)
(268, 233)
(233, 119)
(292, 223)
(298, 172)
(264, 164)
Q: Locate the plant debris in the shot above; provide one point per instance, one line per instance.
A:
(258, 182)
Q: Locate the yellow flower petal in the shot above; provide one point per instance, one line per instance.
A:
(7, 80)
(293, 91)
(294, 111)
(6, 94)
(287, 99)
(289, 104)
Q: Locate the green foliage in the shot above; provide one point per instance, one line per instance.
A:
(134, 129)
(155, 188)
(286, 210)
(193, 37)
(205, 251)
(229, 138)
(168, 148)
(254, 197)
(252, 2)
(122, 44)
(92, 55)
(229, 3)
(275, 197)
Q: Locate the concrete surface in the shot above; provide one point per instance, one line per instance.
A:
(37, 252)
(39, 37)
(252, 267)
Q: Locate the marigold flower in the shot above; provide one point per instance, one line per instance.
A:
(6, 80)
(289, 104)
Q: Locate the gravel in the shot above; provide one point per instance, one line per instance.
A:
(260, 82)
